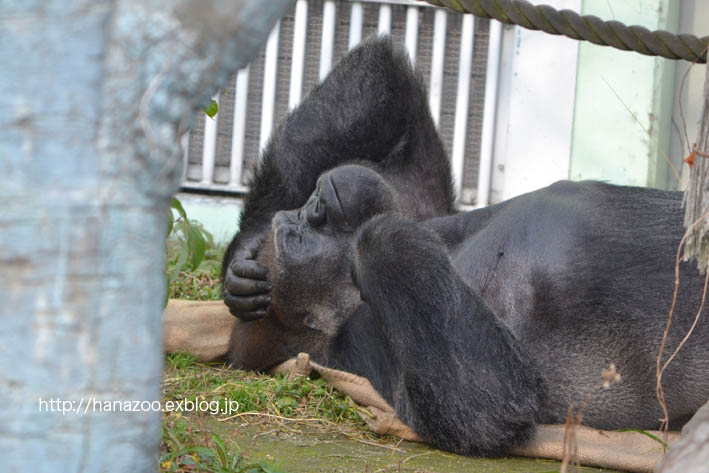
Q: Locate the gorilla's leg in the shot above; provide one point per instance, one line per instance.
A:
(465, 384)
(373, 109)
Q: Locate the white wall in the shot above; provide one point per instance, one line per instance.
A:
(535, 109)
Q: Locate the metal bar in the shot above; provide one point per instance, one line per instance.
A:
(487, 137)
(438, 56)
(356, 20)
(297, 66)
(269, 86)
(412, 31)
(241, 94)
(327, 44)
(185, 143)
(213, 189)
(209, 146)
(461, 102)
(384, 24)
(417, 3)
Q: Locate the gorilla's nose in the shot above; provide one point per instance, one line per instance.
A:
(315, 211)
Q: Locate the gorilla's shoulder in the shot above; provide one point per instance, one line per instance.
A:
(608, 190)
(606, 205)
(598, 194)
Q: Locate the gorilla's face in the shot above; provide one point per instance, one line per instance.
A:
(308, 259)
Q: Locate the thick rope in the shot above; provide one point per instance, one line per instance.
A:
(588, 27)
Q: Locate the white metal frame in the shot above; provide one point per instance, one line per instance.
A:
(239, 128)
(327, 43)
(465, 63)
(209, 146)
(297, 65)
(269, 85)
(487, 139)
(435, 87)
(412, 32)
(441, 18)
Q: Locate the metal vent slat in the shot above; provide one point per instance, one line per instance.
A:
(298, 61)
(450, 51)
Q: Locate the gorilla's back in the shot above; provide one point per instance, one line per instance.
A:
(583, 273)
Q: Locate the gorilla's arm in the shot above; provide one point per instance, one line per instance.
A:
(464, 383)
(371, 108)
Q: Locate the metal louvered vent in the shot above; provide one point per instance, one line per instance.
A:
(457, 55)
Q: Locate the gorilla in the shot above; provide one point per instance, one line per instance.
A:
(370, 109)
(474, 326)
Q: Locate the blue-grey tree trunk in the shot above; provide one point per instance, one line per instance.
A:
(94, 95)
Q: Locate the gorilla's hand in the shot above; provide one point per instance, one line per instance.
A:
(246, 288)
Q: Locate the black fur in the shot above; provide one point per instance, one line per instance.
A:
(464, 382)
(474, 326)
(370, 109)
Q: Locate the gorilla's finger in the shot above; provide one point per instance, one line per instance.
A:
(248, 268)
(242, 305)
(250, 247)
(238, 286)
(249, 316)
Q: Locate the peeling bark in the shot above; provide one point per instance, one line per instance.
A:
(95, 95)
(696, 217)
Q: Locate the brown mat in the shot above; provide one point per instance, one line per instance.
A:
(203, 328)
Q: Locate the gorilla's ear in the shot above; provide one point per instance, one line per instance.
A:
(313, 322)
(322, 320)
(328, 316)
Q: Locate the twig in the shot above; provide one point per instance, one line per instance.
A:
(394, 448)
(660, 367)
(414, 456)
(263, 414)
(570, 450)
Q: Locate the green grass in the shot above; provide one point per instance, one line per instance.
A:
(257, 395)
(184, 448)
(236, 397)
(203, 284)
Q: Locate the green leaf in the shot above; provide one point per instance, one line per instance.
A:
(170, 221)
(196, 245)
(286, 401)
(267, 469)
(181, 260)
(211, 108)
(210, 266)
(221, 450)
(181, 226)
(647, 434)
(178, 206)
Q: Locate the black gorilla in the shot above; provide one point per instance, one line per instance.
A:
(474, 326)
(371, 109)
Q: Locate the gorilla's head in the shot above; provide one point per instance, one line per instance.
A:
(307, 255)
